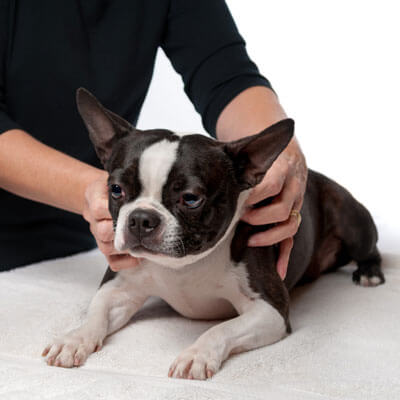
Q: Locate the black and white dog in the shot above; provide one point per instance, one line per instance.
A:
(176, 201)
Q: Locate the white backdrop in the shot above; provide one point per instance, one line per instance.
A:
(335, 66)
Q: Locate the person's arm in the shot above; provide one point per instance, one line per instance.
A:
(248, 113)
(33, 170)
(234, 100)
(38, 172)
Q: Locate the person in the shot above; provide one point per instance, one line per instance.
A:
(49, 174)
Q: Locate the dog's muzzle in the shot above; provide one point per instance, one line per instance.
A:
(143, 223)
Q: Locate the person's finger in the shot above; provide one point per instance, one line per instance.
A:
(279, 210)
(119, 262)
(271, 185)
(298, 203)
(276, 234)
(104, 230)
(107, 248)
(96, 196)
(99, 208)
(284, 254)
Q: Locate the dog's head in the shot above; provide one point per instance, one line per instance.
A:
(174, 197)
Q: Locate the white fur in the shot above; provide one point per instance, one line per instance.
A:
(155, 165)
(370, 281)
(259, 325)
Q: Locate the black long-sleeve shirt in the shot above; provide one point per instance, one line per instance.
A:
(50, 48)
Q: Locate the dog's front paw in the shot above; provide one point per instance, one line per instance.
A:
(195, 363)
(71, 350)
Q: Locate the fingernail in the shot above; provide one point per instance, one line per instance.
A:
(282, 272)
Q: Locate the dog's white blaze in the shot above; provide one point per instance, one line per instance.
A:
(155, 164)
(123, 215)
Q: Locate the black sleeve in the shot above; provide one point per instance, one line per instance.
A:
(6, 123)
(205, 47)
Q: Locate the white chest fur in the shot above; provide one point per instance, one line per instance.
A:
(211, 288)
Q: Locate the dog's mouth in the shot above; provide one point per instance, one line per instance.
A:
(142, 249)
(146, 252)
(150, 247)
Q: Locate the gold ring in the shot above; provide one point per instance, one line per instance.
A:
(296, 214)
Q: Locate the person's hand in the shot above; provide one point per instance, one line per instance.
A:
(286, 180)
(96, 212)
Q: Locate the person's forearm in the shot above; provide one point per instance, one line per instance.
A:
(38, 172)
(248, 113)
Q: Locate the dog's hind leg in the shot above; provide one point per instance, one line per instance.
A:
(369, 272)
(111, 308)
(359, 238)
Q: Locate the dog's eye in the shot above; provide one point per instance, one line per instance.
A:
(191, 201)
(116, 192)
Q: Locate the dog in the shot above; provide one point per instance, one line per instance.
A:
(176, 201)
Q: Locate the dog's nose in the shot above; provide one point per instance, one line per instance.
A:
(143, 222)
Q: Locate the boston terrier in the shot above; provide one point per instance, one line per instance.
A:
(176, 201)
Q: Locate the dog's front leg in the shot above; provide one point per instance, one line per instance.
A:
(258, 325)
(111, 308)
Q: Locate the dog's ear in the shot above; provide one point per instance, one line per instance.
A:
(103, 125)
(253, 155)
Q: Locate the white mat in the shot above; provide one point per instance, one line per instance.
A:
(345, 342)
